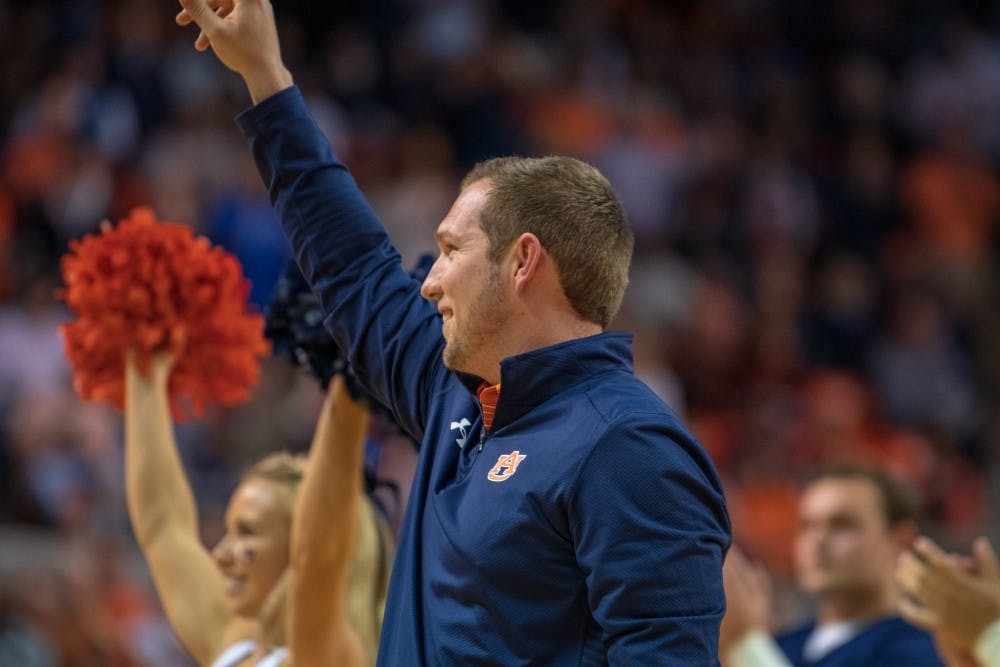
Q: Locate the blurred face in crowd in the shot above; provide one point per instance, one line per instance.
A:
(844, 547)
(253, 554)
(467, 287)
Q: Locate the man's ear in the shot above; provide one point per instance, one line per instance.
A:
(903, 534)
(528, 256)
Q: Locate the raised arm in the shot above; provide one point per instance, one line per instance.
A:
(164, 518)
(374, 309)
(327, 511)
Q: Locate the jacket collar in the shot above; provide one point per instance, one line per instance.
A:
(527, 380)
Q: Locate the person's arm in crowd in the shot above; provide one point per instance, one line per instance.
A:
(744, 636)
(391, 335)
(649, 526)
(958, 604)
(162, 509)
(324, 526)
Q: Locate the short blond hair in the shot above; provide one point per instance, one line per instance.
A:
(574, 212)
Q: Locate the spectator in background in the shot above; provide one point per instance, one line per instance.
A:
(854, 522)
(955, 598)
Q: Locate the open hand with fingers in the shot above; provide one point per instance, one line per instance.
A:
(243, 35)
(947, 594)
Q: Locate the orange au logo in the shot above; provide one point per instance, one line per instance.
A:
(506, 466)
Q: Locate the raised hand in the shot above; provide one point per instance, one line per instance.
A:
(943, 596)
(243, 35)
(155, 381)
(222, 9)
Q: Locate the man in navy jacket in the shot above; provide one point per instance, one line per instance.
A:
(854, 523)
(560, 513)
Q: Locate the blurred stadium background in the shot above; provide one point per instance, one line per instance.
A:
(813, 186)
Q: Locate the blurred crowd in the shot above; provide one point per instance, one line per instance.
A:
(813, 187)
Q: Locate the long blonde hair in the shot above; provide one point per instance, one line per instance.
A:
(371, 564)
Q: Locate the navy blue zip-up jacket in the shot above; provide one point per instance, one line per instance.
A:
(588, 527)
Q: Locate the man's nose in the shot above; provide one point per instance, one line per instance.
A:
(431, 289)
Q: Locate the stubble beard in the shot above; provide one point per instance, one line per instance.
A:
(486, 318)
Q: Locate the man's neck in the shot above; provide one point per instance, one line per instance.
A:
(855, 608)
(553, 332)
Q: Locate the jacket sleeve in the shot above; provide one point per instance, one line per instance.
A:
(373, 307)
(650, 530)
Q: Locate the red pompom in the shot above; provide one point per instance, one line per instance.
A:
(156, 287)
